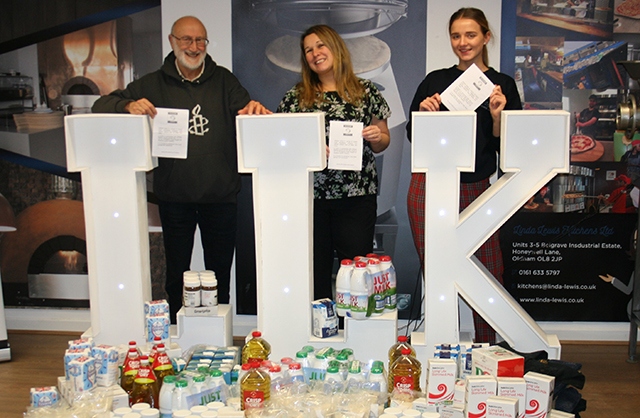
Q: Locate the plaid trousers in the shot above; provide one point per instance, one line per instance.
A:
(488, 254)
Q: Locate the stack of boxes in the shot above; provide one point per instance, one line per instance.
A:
(490, 383)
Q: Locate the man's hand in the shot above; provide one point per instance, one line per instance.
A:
(141, 107)
(254, 108)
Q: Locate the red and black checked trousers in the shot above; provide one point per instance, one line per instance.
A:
(489, 253)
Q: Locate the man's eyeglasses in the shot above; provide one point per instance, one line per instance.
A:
(186, 41)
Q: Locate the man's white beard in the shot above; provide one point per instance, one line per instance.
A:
(182, 60)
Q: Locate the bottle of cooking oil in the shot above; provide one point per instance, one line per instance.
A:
(130, 369)
(145, 386)
(256, 349)
(396, 350)
(255, 387)
(404, 374)
(162, 365)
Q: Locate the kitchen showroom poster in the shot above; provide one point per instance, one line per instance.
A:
(568, 253)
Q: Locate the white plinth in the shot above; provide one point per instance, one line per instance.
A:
(210, 330)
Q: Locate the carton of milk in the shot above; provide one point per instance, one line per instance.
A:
(479, 389)
(502, 407)
(325, 318)
(514, 387)
(441, 381)
(44, 396)
(82, 374)
(539, 394)
(497, 361)
(106, 364)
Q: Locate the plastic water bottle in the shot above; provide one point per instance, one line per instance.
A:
(359, 292)
(295, 373)
(180, 394)
(277, 379)
(256, 349)
(376, 282)
(389, 271)
(166, 396)
(404, 373)
(343, 287)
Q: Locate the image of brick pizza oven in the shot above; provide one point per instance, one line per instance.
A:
(44, 261)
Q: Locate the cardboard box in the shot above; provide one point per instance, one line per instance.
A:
(514, 387)
(498, 362)
(324, 318)
(479, 389)
(44, 396)
(441, 381)
(502, 407)
(539, 394)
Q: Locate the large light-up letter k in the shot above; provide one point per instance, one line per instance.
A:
(534, 147)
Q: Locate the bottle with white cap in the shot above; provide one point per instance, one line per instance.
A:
(209, 288)
(343, 286)
(191, 289)
(389, 273)
(359, 292)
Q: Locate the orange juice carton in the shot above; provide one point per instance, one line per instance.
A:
(479, 388)
(498, 362)
(156, 307)
(44, 396)
(73, 353)
(539, 394)
(82, 374)
(514, 387)
(502, 407)
(106, 364)
(441, 380)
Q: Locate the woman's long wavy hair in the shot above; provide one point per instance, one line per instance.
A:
(347, 84)
(477, 16)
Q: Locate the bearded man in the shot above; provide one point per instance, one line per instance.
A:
(201, 189)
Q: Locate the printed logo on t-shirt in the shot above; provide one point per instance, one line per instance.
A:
(198, 123)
